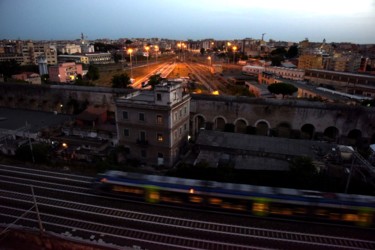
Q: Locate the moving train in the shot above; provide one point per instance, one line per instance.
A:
(256, 200)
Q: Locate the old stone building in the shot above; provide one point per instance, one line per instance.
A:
(153, 126)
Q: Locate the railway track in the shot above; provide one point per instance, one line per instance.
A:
(59, 197)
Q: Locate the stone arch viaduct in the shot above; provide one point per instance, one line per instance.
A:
(284, 118)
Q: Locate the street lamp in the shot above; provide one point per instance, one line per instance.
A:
(157, 51)
(234, 53)
(147, 49)
(130, 51)
(184, 46)
(209, 58)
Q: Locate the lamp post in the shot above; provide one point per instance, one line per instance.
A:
(234, 53)
(130, 51)
(209, 58)
(179, 45)
(226, 48)
(183, 50)
(147, 49)
(156, 52)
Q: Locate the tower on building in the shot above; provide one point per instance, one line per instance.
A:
(42, 64)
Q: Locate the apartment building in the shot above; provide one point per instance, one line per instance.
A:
(32, 51)
(153, 126)
(359, 84)
(71, 49)
(310, 61)
(64, 72)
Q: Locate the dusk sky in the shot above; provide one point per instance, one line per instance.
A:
(281, 20)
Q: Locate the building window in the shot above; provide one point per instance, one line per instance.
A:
(159, 137)
(127, 150)
(160, 155)
(125, 115)
(159, 119)
(141, 116)
(143, 153)
(142, 136)
(126, 132)
(175, 116)
(185, 127)
(185, 110)
(158, 97)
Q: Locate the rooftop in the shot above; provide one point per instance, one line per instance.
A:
(33, 121)
(255, 152)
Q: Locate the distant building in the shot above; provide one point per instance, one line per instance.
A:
(32, 51)
(73, 58)
(10, 57)
(64, 72)
(29, 77)
(350, 83)
(153, 126)
(99, 58)
(71, 49)
(310, 62)
(284, 72)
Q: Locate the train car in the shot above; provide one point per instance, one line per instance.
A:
(255, 200)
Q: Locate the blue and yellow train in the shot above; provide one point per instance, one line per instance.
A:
(256, 200)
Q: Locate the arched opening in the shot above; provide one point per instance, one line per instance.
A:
(219, 124)
(283, 130)
(307, 131)
(354, 137)
(372, 139)
(331, 133)
(200, 122)
(240, 126)
(262, 128)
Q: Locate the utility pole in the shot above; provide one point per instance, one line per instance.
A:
(41, 229)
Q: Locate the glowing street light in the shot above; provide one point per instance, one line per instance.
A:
(156, 48)
(130, 51)
(209, 58)
(234, 52)
(147, 49)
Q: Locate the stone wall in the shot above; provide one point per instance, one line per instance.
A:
(276, 113)
(56, 97)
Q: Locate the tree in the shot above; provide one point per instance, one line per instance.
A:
(202, 51)
(45, 78)
(93, 73)
(303, 171)
(9, 68)
(39, 153)
(292, 51)
(121, 81)
(117, 57)
(282, 88)
(368, 103)
(154, 80)
(276, 60)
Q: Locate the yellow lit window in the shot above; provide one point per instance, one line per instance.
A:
(215, 201)
(260, 207)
